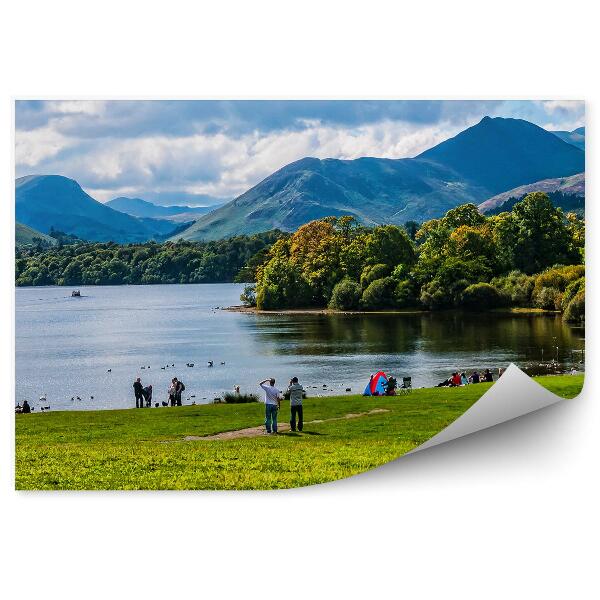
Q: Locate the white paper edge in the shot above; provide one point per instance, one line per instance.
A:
(513, 395)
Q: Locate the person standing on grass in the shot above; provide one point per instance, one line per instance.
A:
(179, 388)
(148, 395)
(138, 390)
(272, 401)
(296, 392)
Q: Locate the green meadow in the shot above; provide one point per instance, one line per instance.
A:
(147, 449)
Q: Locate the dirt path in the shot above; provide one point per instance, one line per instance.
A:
(256, 431)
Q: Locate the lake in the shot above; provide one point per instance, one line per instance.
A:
(65, 346)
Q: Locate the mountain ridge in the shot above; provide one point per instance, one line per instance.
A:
(472, 166)
(137, 207)
(46, 201)
(572, 186)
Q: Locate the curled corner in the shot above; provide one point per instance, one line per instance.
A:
(513, 395)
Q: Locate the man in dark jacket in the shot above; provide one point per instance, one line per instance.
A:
(138, 390)
(179, 387)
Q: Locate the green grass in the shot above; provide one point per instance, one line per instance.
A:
(144, 449)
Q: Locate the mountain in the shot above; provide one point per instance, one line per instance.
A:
(45, 201)
(373, 190)
(575, 137)
(500, 154)
(25, 235)
(137, 207)
(493, 156)
(569, 186)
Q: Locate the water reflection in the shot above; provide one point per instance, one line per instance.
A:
(525, 336)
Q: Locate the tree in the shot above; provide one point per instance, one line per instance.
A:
(346, 295)
(372, 272)
(390, 245)
(379, 294)
(282, 285)
(478, 296)
(541, 234)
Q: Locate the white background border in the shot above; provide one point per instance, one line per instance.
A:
(511, 512)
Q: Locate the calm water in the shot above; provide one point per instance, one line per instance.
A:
(65, 346)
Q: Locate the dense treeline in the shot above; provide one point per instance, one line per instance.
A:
(568, 202)
(114, 264)
(531, 256)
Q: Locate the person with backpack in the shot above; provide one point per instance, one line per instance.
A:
(148, 395)
(138, 390)
(180, 387)
(296, 392)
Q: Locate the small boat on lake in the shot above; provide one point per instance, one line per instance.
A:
(75, 294)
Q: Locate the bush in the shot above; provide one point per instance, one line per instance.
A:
(572, 290)
(372, 272)
(233, 398)
(379, 294)
(404, 294)
(516, 288)
(547, 298)
(559, 277)
(575, 311)
(481, 296)
(346, 295)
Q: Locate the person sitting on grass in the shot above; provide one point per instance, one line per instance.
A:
(26, 407)
(456, 379)
(445, 383)
(296, 392)
(272, 402)
(390, 388)
(463, 379)
(475, 377)
(487, 376)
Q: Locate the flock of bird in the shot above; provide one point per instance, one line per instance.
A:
(209, 363)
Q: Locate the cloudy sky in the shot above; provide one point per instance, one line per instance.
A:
(203, 151)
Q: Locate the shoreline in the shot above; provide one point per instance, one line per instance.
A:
(335, 396)
(240, 308)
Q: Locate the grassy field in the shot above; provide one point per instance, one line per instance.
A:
(145, 449)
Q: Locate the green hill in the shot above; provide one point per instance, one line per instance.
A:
(25, 235)
(568, 186)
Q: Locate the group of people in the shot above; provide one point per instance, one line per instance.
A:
(457, 379)
(273, 397)
(143, 395)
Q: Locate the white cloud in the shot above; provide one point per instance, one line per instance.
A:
(135, 162)
(34, 146)
(563, 105)
(216, 165)
(80, 107)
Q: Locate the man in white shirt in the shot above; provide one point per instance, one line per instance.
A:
(272, 400)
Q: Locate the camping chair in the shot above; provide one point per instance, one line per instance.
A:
(406, 387)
